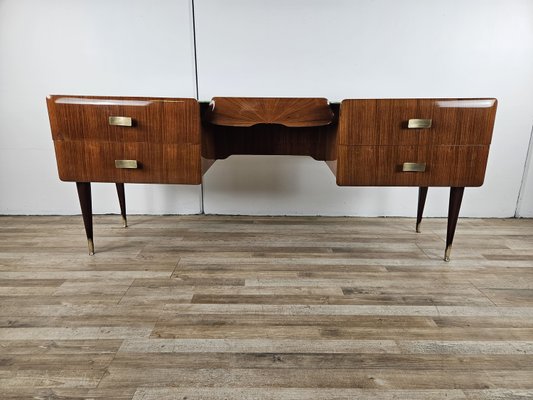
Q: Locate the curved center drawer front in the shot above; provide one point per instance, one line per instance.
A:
(250, 111)
(121, 119)
(417, 121)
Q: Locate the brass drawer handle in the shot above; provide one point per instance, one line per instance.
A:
(120, 121)
(130, 164)
(419, 123)
(413, 167)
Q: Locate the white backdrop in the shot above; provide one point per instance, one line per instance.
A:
(367, 49)
(100, 47)
(335, 49)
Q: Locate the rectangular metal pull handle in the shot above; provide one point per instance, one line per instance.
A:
(120, 121)
(419, 123)
(130, 164)
(413, 167)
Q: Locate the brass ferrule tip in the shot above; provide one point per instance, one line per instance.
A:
(447, 253)
(91, 247)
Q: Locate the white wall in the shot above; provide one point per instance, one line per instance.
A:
(119, 47)
(366, 49)
(340, 49)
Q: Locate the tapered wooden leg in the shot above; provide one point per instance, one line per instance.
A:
(122, 201)
(422, 194)
(84, 194)
(456, 197)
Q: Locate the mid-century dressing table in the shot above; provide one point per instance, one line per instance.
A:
(373, 142)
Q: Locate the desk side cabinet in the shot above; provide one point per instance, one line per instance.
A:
(126, 140)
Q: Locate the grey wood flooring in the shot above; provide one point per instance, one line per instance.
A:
(223, 307)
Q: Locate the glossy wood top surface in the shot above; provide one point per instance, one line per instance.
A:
(249, 111)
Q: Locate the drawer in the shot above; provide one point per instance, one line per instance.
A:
(381, 165)
(384, 165)
(94, 161)
(386, 121)
(154, 120)
(250, 111)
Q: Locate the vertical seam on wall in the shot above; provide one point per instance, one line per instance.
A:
(195, 51)
(524, 176)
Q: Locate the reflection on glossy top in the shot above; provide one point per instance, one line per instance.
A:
(103, 102)
(468, 103)
(110, 101)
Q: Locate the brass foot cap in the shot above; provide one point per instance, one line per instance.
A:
(125, 222)
(447, 253)
(91, 247)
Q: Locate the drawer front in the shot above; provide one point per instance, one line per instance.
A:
(381, 165)
(417, 121)
(411, 165)
(383, 122)
(94, 161)
(120, 119)
(250, 111)
(458, 165)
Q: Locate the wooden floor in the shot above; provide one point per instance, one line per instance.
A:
(219, 307)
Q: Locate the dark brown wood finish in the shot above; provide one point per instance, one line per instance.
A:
(249, 111)
(154, 119)
(422, 195)
(384, 121)
(374, 141)
(164, 139)
(456, 197)
(122, 201)
(84, 195)
(382, 165)
(95, 162)
(269, 140)
(309, 137)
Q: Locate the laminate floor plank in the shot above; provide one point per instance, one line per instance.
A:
(253, 307)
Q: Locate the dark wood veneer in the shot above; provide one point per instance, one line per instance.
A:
(249, 111)
(155, 120)
(384, 121)
(381, 165)
(91, 161)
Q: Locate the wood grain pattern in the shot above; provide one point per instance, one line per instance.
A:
(269, 140)
(249, 111)
(374, 141)
(221, 307)
(384, 121)
(319, 142)
(155, 119)
(164, 139)
(94, 161)
(382, 165)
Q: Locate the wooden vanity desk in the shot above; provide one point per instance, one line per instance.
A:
(374, 142)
